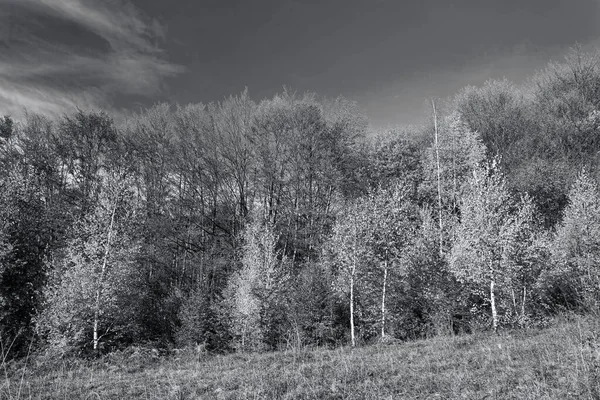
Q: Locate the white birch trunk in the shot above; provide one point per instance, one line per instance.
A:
(102, 276)
(352, 273)
(439, 185)
(352, 303)
(493, 303)
(523, 302)
(385, 273)
(244, 338)
(514, 300)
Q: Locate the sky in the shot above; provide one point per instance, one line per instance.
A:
(390, 56)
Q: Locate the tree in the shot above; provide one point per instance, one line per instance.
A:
(486, 241)
(436, 147)
(567, 100)
(348, 251)
(249, 289)
(499, 112)
(391, 224)
(85, 143)
(306, 150)
(575, 249)
(560, 133)
(449, 163)
(89, 295)
(394, 156)
(8, 213)
(29, 231)
(6, 127)
(433, 302)
(200, 323)
(313, 310)
(232, 122)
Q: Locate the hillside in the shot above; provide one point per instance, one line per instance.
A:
(559, 362)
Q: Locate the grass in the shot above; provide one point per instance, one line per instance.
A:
(559, 362)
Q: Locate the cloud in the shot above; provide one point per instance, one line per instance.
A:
(57, 55)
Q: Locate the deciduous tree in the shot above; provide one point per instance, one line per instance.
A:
(486, 241)
(88, 296)
(249, 289)
(575, 249)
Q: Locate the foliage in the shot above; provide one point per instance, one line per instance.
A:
(91, 289)
(488, 242)
(316, 316)
(200, 324)
(572, 277)
(460, 152)
(434, 302)
(498, 112)
(248, 294)
(367, 255)
(282, 223)
(31, 227)
(395, 157)
(391, 223)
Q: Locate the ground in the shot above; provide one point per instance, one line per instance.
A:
(558, 362)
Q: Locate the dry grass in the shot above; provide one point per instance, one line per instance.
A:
(560, 362)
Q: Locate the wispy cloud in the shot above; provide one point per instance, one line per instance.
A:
(56, 55)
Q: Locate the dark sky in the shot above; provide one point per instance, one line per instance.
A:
(389, 56)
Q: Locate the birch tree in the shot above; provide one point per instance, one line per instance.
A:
(436, 146)
(449, 161)
(349, 253)
(455, 152)
(87, 297)
(391, 224)
(485, 243)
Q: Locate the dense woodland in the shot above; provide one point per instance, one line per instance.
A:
(284, 223)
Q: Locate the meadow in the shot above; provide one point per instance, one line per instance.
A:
(561, 361)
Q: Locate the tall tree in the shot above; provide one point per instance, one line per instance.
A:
(450, 162)
(486, 240)
(348, 255)
(84, 143)
(499, 112)
(89, 295)
(32, 226)
(391, 224)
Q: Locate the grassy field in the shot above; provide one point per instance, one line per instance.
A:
(559, 362)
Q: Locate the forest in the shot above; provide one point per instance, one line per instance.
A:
(285, 223)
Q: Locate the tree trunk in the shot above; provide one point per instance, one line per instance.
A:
(454, 186)
(514, 300)
(493, 303)
(523, 302)
(352, 305)
(102, 276)
(352, 273)
(439, 185)
(96, 340)
(296, 227)
(244, 338)
(385, 273)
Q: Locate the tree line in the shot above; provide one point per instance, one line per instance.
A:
(283, 223)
